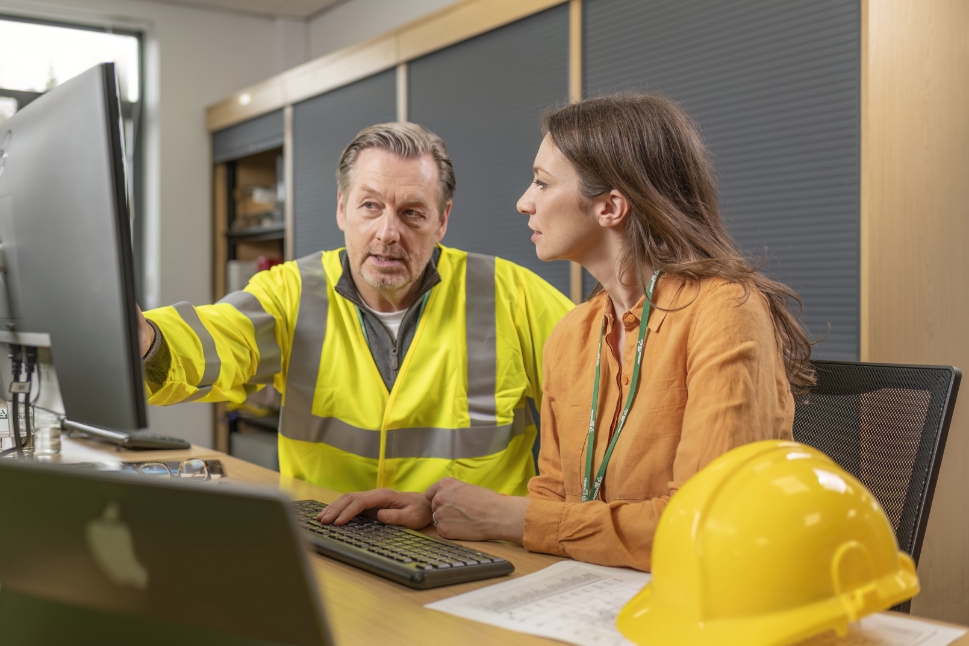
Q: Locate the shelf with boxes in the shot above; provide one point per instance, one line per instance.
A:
(250, 236)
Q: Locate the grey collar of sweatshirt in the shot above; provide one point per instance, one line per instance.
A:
(387, 354)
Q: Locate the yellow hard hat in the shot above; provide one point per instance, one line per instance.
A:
(770, 544)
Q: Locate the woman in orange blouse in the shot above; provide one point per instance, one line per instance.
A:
(632, 408)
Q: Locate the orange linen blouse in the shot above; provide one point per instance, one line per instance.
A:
(712, 378)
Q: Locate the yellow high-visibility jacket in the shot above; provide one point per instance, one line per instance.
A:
(458, 406)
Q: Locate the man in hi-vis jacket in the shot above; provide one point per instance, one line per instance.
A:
(400, 361)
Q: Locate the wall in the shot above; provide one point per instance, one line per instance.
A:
(915, 227)
(194, 57)
(774, 87)
(350, 22)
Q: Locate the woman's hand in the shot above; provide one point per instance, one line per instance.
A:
(412, 510)
(466, 512)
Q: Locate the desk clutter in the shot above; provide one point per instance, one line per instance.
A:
(578, 603)
(193, 469)
(569, 601)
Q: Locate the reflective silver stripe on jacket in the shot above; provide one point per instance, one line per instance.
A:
(304, 355)
(446, 443)
(264, 324)
(199, 394)
(484, 437)
(213, 365)
(482, 342)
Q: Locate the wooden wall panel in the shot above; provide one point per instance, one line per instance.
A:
(450, 25)
(915, 228)
(289, 243)
(220, 208)
(575, 95)
(461, 21)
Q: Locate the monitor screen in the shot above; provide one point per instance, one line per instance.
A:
(65, 247)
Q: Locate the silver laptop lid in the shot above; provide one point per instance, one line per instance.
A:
(196, 555)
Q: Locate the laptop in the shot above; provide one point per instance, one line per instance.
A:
(115, 558)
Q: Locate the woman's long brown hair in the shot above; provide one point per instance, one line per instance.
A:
(648, 149)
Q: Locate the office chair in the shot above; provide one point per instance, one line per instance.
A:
(886, 425)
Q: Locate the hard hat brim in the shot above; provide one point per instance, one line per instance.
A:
(644, 621)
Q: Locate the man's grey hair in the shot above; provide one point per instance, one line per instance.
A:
(406, 140)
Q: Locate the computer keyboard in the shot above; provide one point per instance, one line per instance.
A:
(402, 555)
(149, 440)
(143, 439)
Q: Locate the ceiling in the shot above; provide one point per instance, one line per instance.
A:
(284, 8)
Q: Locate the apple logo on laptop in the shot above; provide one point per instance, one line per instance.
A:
(109, 540)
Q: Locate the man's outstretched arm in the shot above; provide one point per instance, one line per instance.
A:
(146, 333)
(225, 351)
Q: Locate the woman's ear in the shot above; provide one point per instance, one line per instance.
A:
(610, 209)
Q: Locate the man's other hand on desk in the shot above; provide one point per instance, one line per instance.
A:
(410, 510)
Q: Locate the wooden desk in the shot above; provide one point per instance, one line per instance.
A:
(361, 608)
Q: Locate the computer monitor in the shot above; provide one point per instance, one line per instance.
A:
(65, 241)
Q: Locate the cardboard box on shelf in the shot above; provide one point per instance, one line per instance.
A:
(238, 273)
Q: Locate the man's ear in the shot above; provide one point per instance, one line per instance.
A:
(445, 215)
(341, 216)
(610, 209)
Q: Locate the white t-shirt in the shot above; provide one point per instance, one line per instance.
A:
(391, 320)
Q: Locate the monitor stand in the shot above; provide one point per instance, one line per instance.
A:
(44, 393)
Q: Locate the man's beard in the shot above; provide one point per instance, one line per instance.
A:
(392, 279)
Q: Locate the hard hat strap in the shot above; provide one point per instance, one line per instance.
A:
(590, 491)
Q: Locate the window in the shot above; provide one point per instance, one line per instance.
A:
(36, 56)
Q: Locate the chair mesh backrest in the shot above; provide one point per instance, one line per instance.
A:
(883, 424)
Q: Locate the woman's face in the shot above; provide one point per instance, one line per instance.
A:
(557, 212)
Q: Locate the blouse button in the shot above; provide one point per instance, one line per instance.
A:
(626, 381)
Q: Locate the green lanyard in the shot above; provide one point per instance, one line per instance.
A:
(591, 493)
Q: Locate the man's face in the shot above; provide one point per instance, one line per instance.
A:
(391, 219)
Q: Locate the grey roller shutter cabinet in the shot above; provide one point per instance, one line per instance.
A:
(775, 87)
(484, 97)
(322, 128)
(248, 138)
